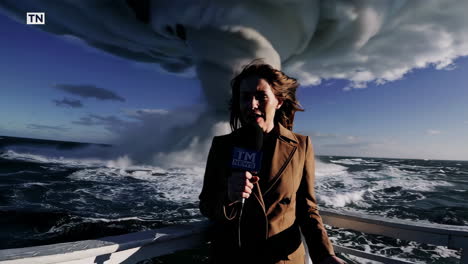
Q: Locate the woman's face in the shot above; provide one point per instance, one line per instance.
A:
(258, 103)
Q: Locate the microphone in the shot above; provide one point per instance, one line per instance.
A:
(247, 156)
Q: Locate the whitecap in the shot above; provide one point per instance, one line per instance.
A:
(445, 252)
(348, 161)
(328, 169)
(342, 199)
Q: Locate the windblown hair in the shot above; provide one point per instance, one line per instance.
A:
(283, 86)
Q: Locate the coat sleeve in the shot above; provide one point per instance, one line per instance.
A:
(307, 213)
(213, 197)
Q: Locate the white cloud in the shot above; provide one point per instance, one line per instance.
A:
(321, 135)
(352, 138)
(433, 132)
(360, 41)
(403, 36)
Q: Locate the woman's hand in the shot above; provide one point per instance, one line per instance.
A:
(240, 185)
(332, 260)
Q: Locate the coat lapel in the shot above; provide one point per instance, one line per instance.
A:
(286, 145)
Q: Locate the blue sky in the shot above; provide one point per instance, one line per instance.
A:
(422, 115)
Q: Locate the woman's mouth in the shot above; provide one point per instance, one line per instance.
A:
(257, 117)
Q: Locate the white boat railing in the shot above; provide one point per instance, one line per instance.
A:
(452, 237)
(134, 247)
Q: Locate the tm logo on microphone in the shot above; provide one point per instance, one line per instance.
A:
(35, 18)
(246, 160)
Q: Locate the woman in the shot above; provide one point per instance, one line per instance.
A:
(279, 201)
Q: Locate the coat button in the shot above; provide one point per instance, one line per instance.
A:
(285, 201)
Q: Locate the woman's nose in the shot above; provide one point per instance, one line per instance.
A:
(253, 103)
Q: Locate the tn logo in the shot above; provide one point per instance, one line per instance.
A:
(33, 18)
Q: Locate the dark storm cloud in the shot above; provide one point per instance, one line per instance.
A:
(65, 102)
(89, 91)
(357, 41)
(44, 127)
(140, 131)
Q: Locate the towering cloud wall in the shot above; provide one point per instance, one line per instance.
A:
(360, 41)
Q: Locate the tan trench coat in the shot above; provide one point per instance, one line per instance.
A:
(274, 214)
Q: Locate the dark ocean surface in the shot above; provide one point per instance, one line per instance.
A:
(53, 192)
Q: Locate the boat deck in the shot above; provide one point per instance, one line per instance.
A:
(134, 247)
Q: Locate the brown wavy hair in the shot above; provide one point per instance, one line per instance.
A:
(283, 86)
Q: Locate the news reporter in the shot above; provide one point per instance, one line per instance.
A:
(280, 200)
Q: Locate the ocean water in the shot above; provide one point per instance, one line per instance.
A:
(51, 192)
